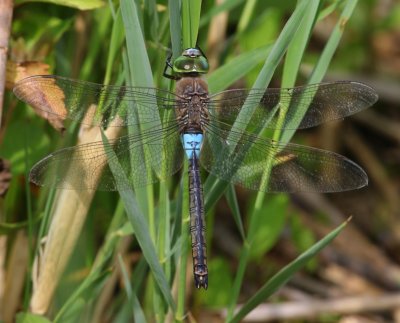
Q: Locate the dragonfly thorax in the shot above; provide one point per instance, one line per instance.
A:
(192, 112)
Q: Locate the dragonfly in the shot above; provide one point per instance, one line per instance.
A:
(222, 132)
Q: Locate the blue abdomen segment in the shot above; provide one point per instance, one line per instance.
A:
(192, 144)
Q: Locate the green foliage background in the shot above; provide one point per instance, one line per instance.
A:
(126, 42)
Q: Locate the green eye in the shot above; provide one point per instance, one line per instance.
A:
(191, 61)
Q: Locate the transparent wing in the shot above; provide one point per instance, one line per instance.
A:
(145, 158)
(93, 104)
(320, 103)
(244, 159)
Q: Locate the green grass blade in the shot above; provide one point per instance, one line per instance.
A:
(190, 22)
(298, 45)
(140, 74)
(31, 318)
(329, 9)
(235, 69)
(237, 284)
(184, 249)
(137, 310)
(292, 64)
(116, 230)
(326, 56)
(140, 227)
(234, 206)
(333, 42)
(281, 45)
(175, 27)
(139, 63)
(96, 40)
(227, 5)
(116, 42)
(78, 4)
(164, 229)
(284, 275)
(247, 13)
(212, 187)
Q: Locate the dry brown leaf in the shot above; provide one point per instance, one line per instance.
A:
(19, 71)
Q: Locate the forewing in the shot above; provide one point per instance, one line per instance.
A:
(145, 159)
(57, 98)
(246, 160)
(303, 106)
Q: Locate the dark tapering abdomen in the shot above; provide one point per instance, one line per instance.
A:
(197, 225)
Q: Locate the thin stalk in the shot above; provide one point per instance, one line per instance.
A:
(238, 282)
(184, 250)
(31, 237)
(264, 77)
(6, 11)
(246, 15)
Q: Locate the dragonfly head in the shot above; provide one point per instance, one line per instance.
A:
(200, 276)
(191, 62)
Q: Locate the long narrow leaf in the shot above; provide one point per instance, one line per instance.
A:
(175, 27)
(326, 56)
(237, 68)
(137, 310)
(140, 227)
(215, 187)
(190, 22)
(139, 64)
(285, 274)
(298, 45)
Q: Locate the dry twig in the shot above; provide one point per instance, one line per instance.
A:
(314, 308)
(6, 10)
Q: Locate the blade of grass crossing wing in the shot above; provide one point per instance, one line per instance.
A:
(272, 61)
(326, 56)
(190, 22)
(140, 75)
(262, 81)
(284, 275)
(281, 45)
(293, 59)
(140, 228)
(292, 64)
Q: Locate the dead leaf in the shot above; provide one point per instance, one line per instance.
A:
(19, 71)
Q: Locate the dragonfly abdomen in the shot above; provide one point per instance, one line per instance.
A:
(192, 144)
(197, 224)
